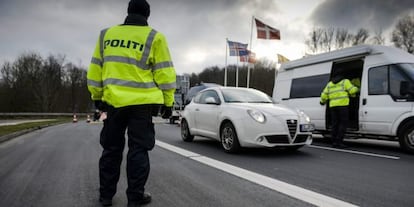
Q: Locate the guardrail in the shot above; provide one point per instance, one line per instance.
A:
(42, 114)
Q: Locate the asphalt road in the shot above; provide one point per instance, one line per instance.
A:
(370, 173)
(58, 166)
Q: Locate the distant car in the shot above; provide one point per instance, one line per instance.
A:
(195, 89)
(244, 117)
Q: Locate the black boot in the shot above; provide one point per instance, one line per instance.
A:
(146, 198)
(105, 201)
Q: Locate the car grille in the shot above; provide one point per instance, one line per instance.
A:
(292, 126)
(277, 139)
(301, 138)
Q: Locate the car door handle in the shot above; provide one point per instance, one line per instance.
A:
(197, 109)
(364, 101)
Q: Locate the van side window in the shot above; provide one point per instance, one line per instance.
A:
(309, 86)
(378, 80)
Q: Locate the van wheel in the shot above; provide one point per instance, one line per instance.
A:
(185, 132)
(406, 138)
(228, 137)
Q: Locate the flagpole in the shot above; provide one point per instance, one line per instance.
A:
(237, 71)
(225, 65)
(248, 57)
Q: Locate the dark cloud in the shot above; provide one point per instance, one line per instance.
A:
(354, 14)
(71, 27)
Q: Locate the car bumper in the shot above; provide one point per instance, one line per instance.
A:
(273, 133)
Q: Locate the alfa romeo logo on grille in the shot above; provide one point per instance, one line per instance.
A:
(291, 121)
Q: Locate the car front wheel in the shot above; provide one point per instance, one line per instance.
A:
(185, 132)
(229, 140)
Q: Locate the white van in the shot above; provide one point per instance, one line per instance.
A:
(384, 107)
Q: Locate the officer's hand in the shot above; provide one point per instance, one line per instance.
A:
(101, 106)
(166, 112)
(98, 105)
(155, 110)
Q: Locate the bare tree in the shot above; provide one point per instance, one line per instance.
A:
(75, 82)
(34, 84)
(378, 38)
(49, 83)
(360, 37)
(7, 73)
(7, 91)
(342, 37)
(403, 34)
(328, 36)
(314, 40)
(326, 39)
(25, 72)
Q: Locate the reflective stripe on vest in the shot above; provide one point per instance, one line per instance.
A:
(131, 84)
(101, 46)
(94, 83)
(97, 61)
(163, 65)
(334, 86)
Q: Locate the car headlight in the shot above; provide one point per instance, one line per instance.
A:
(307, 127)
(257, 115)
(304, 116)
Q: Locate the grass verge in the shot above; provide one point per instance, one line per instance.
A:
(9, 129)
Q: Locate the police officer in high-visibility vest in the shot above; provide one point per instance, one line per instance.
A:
(337, 92)
(356, 82)
(131, 75)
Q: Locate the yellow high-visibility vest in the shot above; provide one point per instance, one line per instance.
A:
(338, 94)
(356, 82)
(131, 65)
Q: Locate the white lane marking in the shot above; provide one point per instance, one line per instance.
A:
(356, 152)
(271, 183)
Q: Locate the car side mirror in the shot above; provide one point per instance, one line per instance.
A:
(211, 100)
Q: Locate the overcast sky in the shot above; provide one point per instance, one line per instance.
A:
(196, 30)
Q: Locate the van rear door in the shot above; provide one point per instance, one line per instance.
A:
(301, 88)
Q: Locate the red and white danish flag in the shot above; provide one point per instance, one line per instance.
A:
(265, 31)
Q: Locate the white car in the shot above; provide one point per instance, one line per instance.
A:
(244, 117)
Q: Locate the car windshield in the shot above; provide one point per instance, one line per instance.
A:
(238, 95)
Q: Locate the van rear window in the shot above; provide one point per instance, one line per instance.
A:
(308, 86)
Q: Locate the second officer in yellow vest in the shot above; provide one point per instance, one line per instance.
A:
(130, 74)
(337, 92)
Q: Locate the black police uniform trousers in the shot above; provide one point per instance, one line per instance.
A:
(339, 118)
(138, 121)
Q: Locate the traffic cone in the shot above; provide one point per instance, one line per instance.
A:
(88, 118)
(74, 120)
